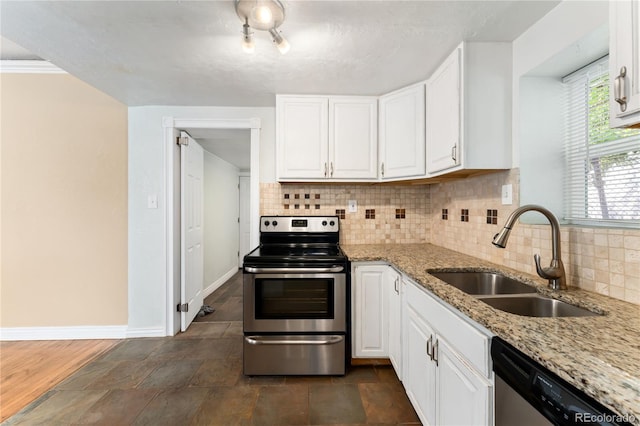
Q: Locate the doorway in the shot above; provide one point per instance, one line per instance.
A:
(202, 128)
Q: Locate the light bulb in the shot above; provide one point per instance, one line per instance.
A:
(247, 39)
(248, 45)
(262, 14)
(280, 41)
(283, 46)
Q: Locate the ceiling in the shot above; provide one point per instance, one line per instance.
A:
(232, 145)
(189, 52)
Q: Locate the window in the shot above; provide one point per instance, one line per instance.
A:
(602, 182)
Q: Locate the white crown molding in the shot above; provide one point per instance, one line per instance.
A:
(29, 67)
(63, 333)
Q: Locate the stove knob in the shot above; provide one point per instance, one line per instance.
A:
(332, 223)
(266, 223)
(274, 223)
(324, 223)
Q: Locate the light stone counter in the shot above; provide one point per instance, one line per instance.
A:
(597, 354)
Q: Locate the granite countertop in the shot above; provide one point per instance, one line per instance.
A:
(598, 354)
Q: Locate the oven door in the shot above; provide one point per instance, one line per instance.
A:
(294, 301)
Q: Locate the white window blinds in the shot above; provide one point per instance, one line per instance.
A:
(602, 175)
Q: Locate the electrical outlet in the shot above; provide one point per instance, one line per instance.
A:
(352, 206)
(507, 194)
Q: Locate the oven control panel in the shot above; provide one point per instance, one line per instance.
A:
(299, 224)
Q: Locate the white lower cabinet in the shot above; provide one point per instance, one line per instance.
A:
(441, 356)
(370, 320)
(420, 377)
(443, 384)
(394, 287)
(460, 386)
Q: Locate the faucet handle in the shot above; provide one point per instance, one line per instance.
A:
(546, 273)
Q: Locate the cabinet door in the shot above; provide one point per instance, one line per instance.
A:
(420, 380)
(402, 137)
(624, 51)
(302, 137)
(464, 397)
(443, 115)
(394, 294)
(370, 314)
(353, 138)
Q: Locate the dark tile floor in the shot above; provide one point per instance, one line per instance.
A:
(196, 378)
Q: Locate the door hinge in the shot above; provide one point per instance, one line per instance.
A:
(182, 140)
(183, 307)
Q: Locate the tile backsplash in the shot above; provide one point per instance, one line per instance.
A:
(385, 214)
(464, 215)
(603, 260)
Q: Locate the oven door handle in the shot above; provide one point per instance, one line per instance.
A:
(266, 340)
(334, 268)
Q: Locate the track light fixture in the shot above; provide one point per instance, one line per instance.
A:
(263, 15)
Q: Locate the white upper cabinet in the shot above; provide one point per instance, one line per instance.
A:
(624, 62)
(353, 138)
(443, 115)
(322, 137)
(468, 114)
(402, 134)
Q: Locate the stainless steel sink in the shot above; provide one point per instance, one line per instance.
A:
(483, 283)
(534, 305)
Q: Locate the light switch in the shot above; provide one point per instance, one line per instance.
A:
(152, 201)
(353, 206)
(507, 194)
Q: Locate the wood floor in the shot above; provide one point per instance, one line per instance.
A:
(30, 368)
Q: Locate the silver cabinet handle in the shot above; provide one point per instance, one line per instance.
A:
(619, 89)
(430, 347)
(264, 340)
(454, 153)
(396, 287)
(382, 169)
(325, 169)
(434, 353)
(331, 169)
(253, 270)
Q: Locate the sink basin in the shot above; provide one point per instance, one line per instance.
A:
(536, 306)
(483, 283)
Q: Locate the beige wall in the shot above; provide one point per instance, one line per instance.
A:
(64, 203)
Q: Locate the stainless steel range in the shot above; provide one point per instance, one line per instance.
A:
(295, 298)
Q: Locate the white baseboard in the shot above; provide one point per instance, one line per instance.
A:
(146, 332)
(217, 283)
(64, 333)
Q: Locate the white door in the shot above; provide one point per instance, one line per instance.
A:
(191, 245)
(245, 219)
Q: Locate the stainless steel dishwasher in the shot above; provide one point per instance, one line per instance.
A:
(528, 394)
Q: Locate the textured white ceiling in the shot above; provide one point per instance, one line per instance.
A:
(188, 52)
(233, 146)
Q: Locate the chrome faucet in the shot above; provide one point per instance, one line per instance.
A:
(555, 272)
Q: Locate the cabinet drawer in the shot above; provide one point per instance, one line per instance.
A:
(467, 340)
